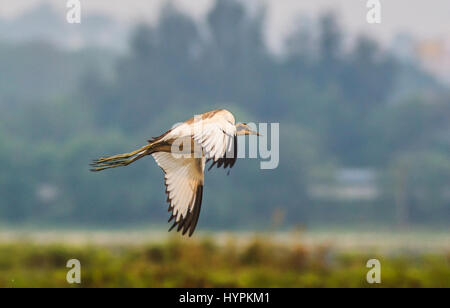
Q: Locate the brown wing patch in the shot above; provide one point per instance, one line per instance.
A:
(210, 114)
(154, 139)
(205, 115)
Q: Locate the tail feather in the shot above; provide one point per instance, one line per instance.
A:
(120, 159)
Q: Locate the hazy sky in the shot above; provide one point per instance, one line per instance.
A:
(424, 19)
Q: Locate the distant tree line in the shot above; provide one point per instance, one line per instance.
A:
(336, 108)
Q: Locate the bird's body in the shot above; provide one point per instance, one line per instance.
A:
(182, 153)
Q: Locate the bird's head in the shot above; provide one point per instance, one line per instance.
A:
(243, 129)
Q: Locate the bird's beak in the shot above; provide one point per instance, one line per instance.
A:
(246, 130)
(254, 133)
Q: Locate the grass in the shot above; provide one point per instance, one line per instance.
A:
(177, 262)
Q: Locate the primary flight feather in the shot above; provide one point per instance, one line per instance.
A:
(182, 153)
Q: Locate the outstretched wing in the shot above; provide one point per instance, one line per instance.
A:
(184, 188)
(229, 158)
(216, 137)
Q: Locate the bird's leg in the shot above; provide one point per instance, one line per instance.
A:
(118, 157)
(132, 160)
(120, 160)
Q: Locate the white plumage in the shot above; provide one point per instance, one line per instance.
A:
(182, 153)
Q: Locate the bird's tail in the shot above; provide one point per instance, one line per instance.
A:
(120, 159)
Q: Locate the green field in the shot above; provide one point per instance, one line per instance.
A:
(227, 260)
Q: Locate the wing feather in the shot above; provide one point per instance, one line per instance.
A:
(215, 136)
(229, 159)
(184, 188)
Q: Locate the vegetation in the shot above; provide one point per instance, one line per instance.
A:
(181, 263)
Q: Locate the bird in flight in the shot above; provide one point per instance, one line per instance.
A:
(182, 153)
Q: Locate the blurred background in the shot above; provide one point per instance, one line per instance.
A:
(364, 113)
